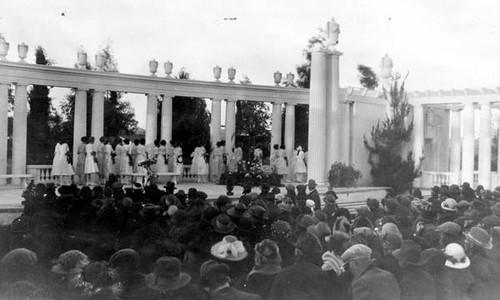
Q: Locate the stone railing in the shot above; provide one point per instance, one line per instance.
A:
(43, 173)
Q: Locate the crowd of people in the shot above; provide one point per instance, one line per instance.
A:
(96, 160)
(282, 243)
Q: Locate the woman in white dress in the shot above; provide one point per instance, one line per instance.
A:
(61, 166)
(199, 164)
(90, 161)
(108, 159)
(141, 156)
(126, 163)
(178, 165)
(300, 165)
(216, 162)
(101, 158)
(281, 162)
(274, 156)
(118, 153)
(161, 160)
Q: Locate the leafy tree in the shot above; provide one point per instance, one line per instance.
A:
(367, 78)
(191, 121)
(252, 125)
(388, 140)
(40, 140)
(118, 114)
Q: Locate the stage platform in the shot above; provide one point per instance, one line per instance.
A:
(11, 207)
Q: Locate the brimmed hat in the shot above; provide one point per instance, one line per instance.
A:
(308, 244)
(312, 182)
(230, 248)
(358, 251)
(238, 211)
(449, 228)
(70, 262)
(167, 275)
(286, 204)
(310, 203)
(211, 267)
(149, 209)
(449, 204)
(480, 237)
(336, 239)
(268, 251)
(19, 258)
(320, 230)
(258, 212)
(170, 186)
(456, 257)
(410, 253)
(223, 224)
(137, 186)
(390, 228)
(330, 198)
(304, 221)
(463, 204)
(125, 259)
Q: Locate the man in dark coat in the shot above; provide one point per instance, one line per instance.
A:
(214, 278)
(313, 194)
(304, 279)
(369, 282)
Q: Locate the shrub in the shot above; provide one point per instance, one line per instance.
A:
(342, 175)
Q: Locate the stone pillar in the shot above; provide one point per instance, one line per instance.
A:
(316, 158)
(97, 128)
(215, 120)
(418, 133)
(484, 163)
(151, 118)
(4, 109)
(80, 122)
(19, 131)
(166, 118)
(455, 146)
(333, 123)
(290, 131)
(468, 144)
(230, 124)
(276, 125)
(498, 153)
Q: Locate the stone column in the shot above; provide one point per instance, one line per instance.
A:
(4, 109)
(97, 128)
(19, 131)
(333, 124)
(230, 124)
(276, 125)
(215, 120)
(80, 122)
(455, 147)
(498, 153)
(468, 144)
(316, 158)
(484, 164)
(166, 118)
(151, 118)
(290, 131)
(418, 133)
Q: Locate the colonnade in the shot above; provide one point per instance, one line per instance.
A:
(462, 141)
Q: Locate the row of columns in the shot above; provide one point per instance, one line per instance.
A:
(462, 138)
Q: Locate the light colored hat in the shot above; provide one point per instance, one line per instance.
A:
(358, 251)
(449, 204)
(332, 262)
(449, 228)
(456, 257)
(310, 203)
(230, 248)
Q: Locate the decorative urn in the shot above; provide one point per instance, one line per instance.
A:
(217, 73)
(153, 67)
(82, 59)
(4, 48)
(168, 68)
(22, 50)
(100, 58)
(277, 78)
(231, 74)
(290, 79)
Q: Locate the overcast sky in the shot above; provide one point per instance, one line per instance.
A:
(443, 44)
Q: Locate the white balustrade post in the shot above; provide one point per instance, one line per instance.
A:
(484, 166)
(80, 122)
(4, 109)
(166, 118)
(455, 146)
(276, 124)
(468, 143)
(151, 118)
(19, 131)
(215, 120)
(230, 124)
(97, 125)
(333, 110)
(290, 132)
(316, 159)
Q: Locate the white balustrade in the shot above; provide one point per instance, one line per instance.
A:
(41, 173)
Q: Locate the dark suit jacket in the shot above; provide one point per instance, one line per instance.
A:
(314, 195)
